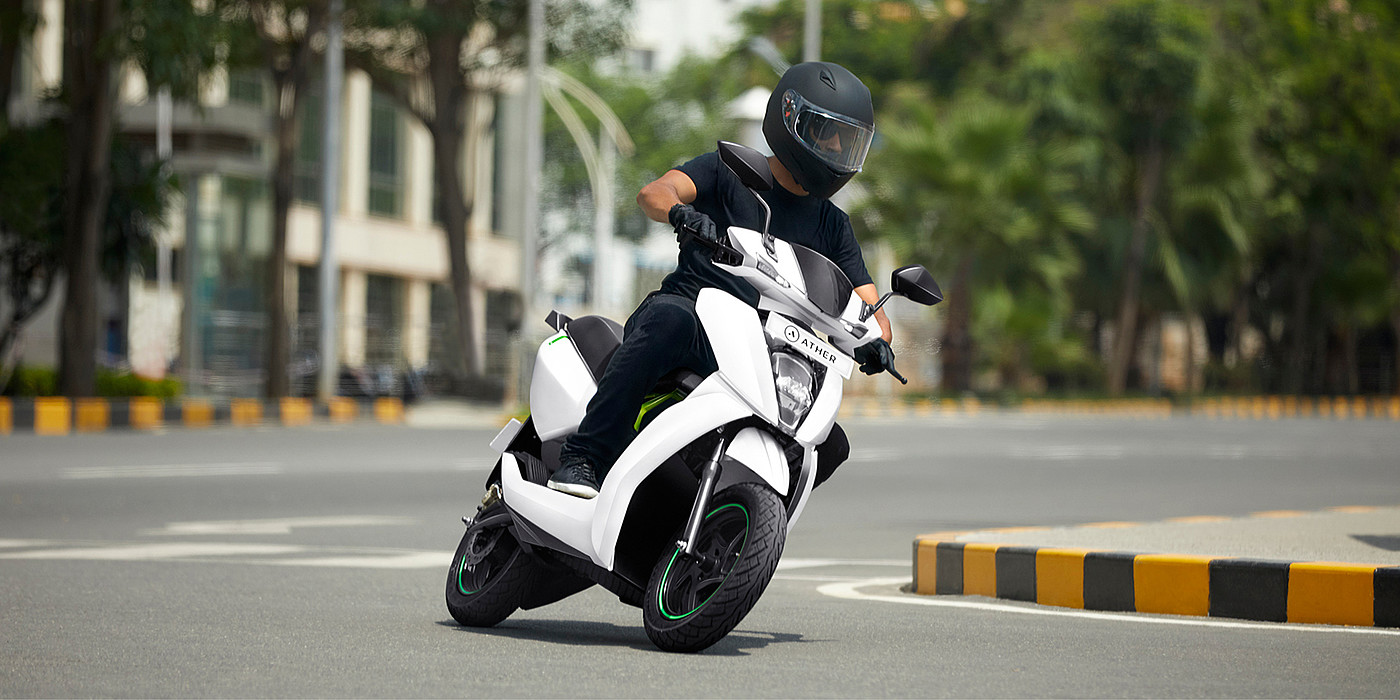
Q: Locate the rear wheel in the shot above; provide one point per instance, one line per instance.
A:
(489, 577)
(694, 601)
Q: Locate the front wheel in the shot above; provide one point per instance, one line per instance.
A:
(489, 577)
(694, 601)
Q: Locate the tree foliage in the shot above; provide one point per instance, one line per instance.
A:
(1232, 164)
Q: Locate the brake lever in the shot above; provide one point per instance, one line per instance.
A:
(896, 374)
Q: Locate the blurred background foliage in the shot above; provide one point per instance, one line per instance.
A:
(1074, 172)
(1079, 174)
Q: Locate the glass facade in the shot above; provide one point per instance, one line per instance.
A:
(386, 143)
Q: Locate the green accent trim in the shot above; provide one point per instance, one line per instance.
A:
(555, 339)
(652, 402)
(661, 590)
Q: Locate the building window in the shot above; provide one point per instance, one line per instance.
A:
(383, 320)
(307, 182)
(246, 87)
(385, 166)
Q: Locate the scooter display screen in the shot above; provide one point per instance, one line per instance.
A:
(827, 285)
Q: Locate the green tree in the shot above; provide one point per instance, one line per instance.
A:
(172, 44)
(31, 220)
(1330, 141)
(441, 60)
(1148, 56)
(963, 186)
(277, 37)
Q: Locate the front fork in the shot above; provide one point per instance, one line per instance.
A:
(709, 476)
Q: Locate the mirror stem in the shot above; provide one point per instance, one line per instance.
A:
(767, 218)
(870, 310)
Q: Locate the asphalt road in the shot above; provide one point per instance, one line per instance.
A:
(310, 562)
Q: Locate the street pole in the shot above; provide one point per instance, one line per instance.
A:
(165, 151)
(604, 218)
(812, 31)
(330, 204)
(534, 153)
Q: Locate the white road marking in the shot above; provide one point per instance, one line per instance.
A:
(790, 564)
(277, 526)
(148, 471)
(873, 455)
(475, 464)
(154, 552)
(389, 560)
(1062, 453)
(851, 591)
(15, 544)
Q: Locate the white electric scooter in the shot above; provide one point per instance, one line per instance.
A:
(691, 519)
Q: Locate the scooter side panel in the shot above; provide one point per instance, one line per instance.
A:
(740, 349)
(565, 517)
(700, 413)
(560, 388)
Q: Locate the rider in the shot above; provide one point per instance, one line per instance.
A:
(819, 124)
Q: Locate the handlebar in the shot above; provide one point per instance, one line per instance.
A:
(720, 251)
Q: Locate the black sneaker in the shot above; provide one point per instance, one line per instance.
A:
(576, 479)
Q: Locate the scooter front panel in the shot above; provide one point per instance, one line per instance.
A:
(740, 349)
(679, 426)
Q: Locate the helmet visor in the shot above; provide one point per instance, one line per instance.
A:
(838, 141)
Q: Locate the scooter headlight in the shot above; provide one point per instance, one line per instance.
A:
(796, 386)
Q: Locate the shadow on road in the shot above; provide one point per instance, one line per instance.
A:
(587, 633)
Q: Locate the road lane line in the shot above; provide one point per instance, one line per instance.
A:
(155, 552)
(788, 564)
(851, 591)
(148, 471)
(275, 526)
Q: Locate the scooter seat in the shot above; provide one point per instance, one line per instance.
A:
(596, 339)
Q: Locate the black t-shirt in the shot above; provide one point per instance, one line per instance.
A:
(804, 220)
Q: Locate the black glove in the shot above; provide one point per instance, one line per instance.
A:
(875, 357)
(684, 216)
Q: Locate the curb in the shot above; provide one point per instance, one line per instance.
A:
(62, 416)
(1227, 408)
(1331, 593)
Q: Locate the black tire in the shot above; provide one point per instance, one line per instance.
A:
(486, 592)
(690, 605)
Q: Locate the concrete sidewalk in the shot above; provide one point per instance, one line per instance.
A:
(1339, 566)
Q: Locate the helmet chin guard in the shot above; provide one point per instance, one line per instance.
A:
(820, 123)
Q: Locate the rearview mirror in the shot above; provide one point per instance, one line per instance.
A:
(915, 284)
(749, 165)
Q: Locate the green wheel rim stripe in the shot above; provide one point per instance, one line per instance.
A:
(661, 590)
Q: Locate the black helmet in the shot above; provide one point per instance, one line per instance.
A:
(819, 124)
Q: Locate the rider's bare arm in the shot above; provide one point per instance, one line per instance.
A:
(658, 196)
(870, 295)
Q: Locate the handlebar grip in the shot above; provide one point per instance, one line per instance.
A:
(720, 251)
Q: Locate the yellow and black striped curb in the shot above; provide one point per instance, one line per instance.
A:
(62, 416)
(1332, 593)
(1247, 407)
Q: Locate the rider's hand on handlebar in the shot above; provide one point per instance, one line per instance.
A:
(684, 216)
(876, 357)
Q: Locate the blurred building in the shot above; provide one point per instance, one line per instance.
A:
(209, 324)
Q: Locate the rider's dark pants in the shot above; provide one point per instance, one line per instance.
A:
(663, 334)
